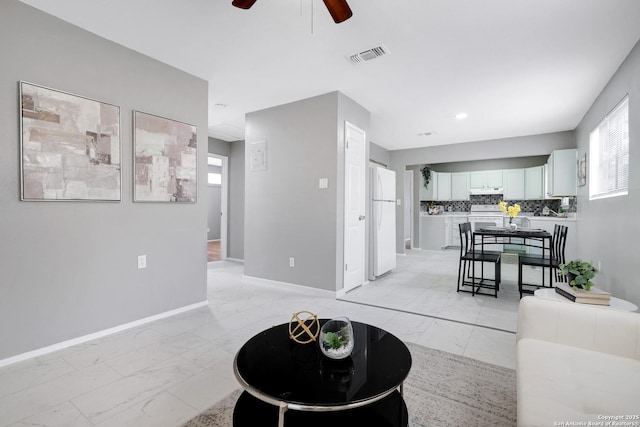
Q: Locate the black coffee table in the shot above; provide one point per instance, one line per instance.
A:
(279, 374)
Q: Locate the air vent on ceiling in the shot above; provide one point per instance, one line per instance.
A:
(369, 54)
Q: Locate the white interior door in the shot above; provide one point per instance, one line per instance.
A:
(354, 206)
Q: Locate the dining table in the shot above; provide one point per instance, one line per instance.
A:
(530, 238)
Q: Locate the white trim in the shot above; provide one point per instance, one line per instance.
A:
(289, 286)
(65, 344)
(235, 260)
(341, 292)
(213, 240)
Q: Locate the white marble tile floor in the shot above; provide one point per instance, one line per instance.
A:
(165, 372)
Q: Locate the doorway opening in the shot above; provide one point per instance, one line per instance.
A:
(408, 209)
(217, 189)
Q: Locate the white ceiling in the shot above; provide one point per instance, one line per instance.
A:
(517, 67)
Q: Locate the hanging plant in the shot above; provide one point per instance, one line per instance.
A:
(426, 175)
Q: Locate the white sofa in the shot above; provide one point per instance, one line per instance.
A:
(576, 362)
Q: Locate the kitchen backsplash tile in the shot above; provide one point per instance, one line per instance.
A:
(525, 205)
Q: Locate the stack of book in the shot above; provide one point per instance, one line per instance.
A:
(593, 296)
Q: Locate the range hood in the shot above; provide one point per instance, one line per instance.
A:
(486, 190)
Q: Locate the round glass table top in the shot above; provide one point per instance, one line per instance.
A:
(277, 367)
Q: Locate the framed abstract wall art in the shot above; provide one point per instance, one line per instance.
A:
(69, 147)
(582, 170)
(165, 160)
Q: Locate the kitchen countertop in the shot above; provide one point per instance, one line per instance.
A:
(570, 216)
(445, 214)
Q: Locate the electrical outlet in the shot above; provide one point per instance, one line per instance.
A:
(142, 261)
(292, 262)
(599, 266)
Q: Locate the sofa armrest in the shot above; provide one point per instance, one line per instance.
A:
(580, 325)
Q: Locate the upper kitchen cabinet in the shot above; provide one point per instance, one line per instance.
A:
(560, 180)
(514, 184)
(485, 179)
(431, 192)
(460, 186)
(534, 183)
(443, 186)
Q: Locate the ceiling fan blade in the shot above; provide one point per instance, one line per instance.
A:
(339, 10)
(243, 4)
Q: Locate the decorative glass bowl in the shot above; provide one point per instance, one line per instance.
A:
(336, 338)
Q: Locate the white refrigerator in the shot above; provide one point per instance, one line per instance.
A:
(383, 220)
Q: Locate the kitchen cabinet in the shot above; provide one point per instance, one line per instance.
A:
(432, 232)
(460, 186)
(561, 173)
(429, 193)
(443, 186)
(514, 184)
(486, 179)
(453, 229)
(534, 183)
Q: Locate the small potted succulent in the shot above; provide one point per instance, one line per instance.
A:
(336, 338)
(579, 273)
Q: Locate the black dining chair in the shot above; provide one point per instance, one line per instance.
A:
(551, 261)
(479, 285)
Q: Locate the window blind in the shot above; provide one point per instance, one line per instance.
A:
(609, 154)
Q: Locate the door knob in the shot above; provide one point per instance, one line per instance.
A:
(361, 218)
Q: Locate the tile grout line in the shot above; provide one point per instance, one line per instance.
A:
(428, 315)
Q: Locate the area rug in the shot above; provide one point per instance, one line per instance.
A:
(442, 389)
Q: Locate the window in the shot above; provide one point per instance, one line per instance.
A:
(214, 178)
(214, 161)
(609, 154)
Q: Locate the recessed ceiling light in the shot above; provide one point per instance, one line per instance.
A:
(461, 116)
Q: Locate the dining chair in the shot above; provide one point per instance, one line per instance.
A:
(479, 285)
(551, 261)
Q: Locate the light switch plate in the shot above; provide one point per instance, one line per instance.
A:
(323, 183)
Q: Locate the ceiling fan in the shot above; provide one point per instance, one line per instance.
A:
(339, 9)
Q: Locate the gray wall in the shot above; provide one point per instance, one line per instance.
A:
(609, 229)
(219, 147)
(286, 214)
(493, 164)
(235, 243)
(379, 154)
(70, 268)
(214, 208)
(523, 146)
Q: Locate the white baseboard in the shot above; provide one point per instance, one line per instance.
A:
(213, 240)
(99, 334)
(235, 260)
(342, 292)
(289, 286)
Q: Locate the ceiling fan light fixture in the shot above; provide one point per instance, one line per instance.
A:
(339, 10)
(243, 4)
